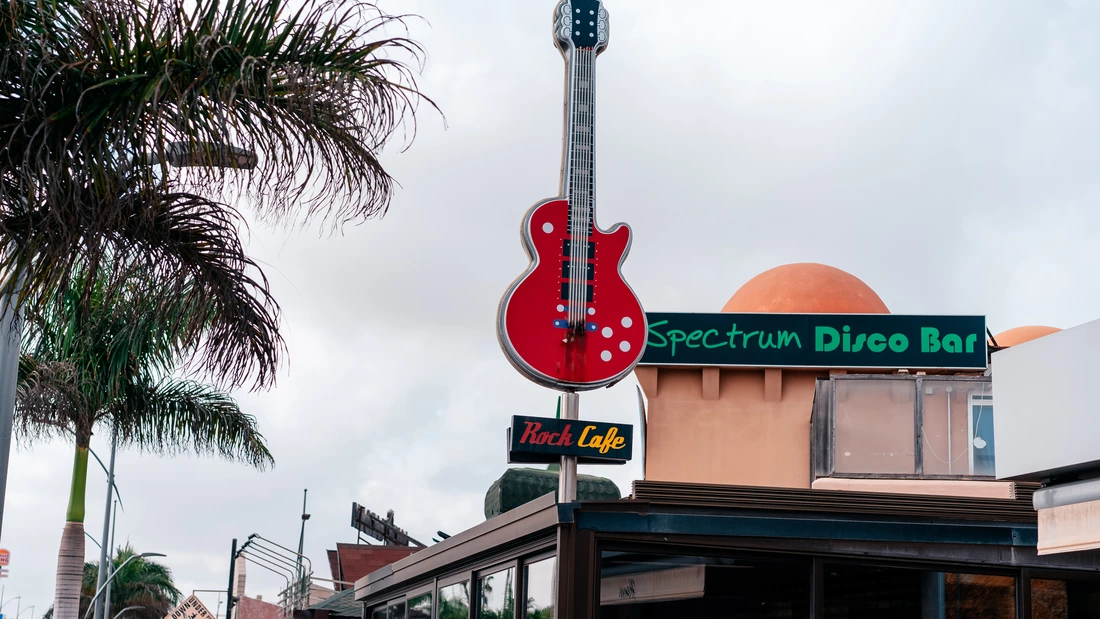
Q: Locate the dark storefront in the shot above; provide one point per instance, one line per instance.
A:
(680, 550)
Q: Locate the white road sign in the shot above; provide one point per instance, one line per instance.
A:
(191, 608)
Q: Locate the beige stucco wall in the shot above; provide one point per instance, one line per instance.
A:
(728, 426)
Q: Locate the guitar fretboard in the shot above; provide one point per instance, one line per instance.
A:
(581, 186)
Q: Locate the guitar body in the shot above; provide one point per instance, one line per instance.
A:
(571, 322)
(534, 328)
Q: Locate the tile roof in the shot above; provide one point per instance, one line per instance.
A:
(350, 562)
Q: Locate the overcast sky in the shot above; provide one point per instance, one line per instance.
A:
(944, 152)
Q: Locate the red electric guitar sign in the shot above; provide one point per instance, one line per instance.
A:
(571, 322)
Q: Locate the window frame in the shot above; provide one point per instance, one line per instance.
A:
(824, 465)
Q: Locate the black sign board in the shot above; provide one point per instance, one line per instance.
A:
(545, 440)
(817, 341)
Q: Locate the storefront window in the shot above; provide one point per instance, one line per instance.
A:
(454, 601)
(396, 611)
(1061, 599)
(420, 607)
(539, 581)
(643, 586)
(863, 592)
(497, 597)
(875, 427)
(379, 613)
(958, 427)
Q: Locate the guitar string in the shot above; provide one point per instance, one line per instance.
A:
(576, 314)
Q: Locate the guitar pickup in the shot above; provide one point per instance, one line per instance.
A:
(566, 266)
(567, 249)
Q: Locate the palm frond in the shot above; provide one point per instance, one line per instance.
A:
(48, 404)
(176, 415)
(200, 290)
(316, 91)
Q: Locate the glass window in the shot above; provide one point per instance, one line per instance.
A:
(949, 427)
(454, 601)
(864, 592)
(644, 586)
(420, 607)
(379, 613)
(498, 599)
(539, 579)
(874, 426)
(396, 611)
(1061, 599)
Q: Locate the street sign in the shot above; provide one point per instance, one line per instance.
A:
(191, 608)
(539, 439)
(816, 341)
(5, 557)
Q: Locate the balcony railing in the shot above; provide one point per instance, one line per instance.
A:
(897, 426)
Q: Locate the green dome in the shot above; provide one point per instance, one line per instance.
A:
(519, 486)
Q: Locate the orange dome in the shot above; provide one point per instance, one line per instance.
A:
(1019, 335)
(806, 288)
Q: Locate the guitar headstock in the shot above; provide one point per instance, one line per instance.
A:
(581, 24)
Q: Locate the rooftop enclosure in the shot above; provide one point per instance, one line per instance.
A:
(906, 427)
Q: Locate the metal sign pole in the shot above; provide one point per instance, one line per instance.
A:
(567, 480)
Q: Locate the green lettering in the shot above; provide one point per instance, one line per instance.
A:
(860, 339)
(733, 335)
(952, 343)
(652, 333)
(746, 337)
(707, 334)
(786, 337)
(768, 344)
(970, 341)
(819, 339)
(675, 336)
(929, 339)
(898, 342)
(694, 337)
(877, 342)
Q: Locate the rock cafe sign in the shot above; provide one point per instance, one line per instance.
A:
(5, 557)
(539, 439)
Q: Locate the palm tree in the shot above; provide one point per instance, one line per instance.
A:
(100, 360)
(97, 97)
(142, 583)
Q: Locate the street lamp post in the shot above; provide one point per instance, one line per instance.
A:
(119, 614)
(30, 608)
(9, 602)
(91, 605)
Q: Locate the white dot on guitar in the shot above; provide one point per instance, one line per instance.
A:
(627, 322)
(591, 311)
(547, 227)
(606, 355)
(624, 346)
(607, 332)
(561, 308)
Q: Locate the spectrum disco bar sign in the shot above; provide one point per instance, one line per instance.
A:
(862, 341)
(541, 440)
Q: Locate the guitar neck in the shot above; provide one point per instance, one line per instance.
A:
(579, 177)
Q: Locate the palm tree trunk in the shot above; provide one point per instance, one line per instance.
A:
(70, 559)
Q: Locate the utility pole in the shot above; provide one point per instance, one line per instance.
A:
(232, 564)
(301, 550)
(104, 545)
(11, 326)
(110, 557)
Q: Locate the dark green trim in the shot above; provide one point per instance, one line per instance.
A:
(999, 534)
